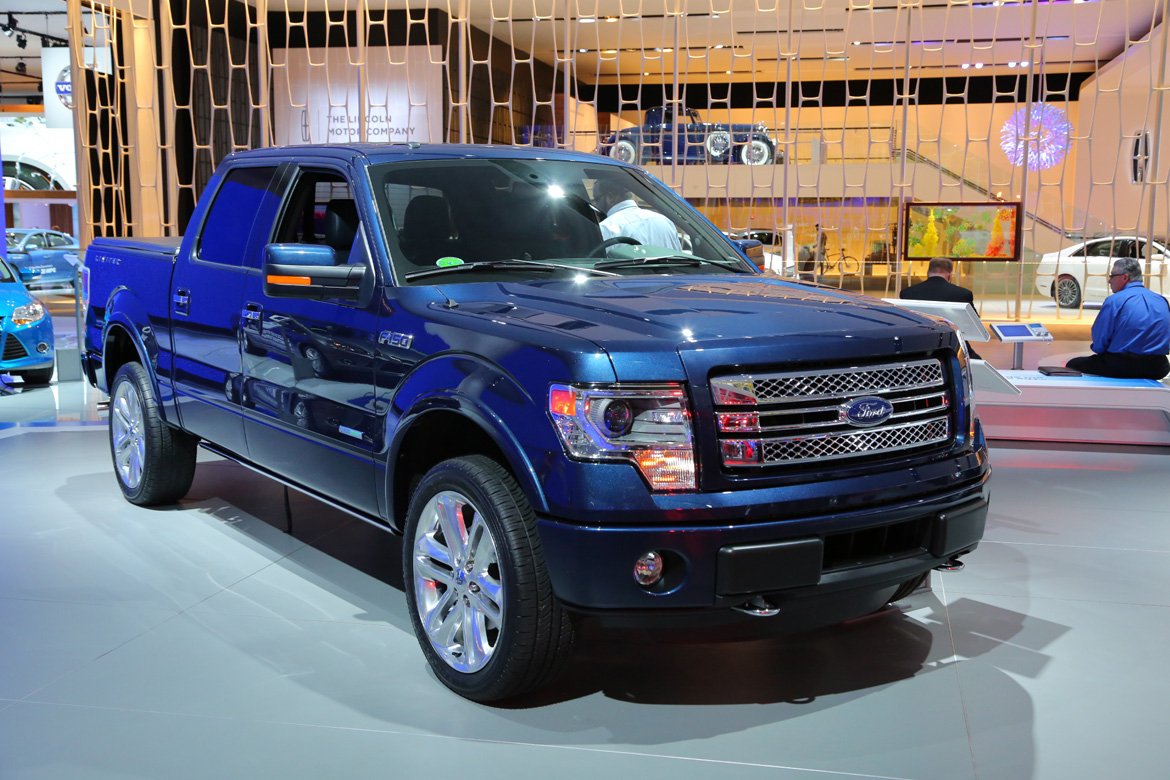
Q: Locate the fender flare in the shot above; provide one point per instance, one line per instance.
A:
(408, 408)
(145, 345)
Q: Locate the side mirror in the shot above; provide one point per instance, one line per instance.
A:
(752, 249)
(308, 271)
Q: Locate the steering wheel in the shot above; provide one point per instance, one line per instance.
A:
(599, 250)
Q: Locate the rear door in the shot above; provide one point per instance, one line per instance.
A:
(207, 292)
(311, 407)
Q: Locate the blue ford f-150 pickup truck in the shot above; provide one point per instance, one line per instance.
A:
(455, 344)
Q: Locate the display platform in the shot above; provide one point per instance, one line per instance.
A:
(1091, 409)
(190, 641)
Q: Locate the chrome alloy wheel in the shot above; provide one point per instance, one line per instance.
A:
(756, 152)
(459, 592)
(126, 429)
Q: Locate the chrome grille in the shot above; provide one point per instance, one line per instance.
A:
(830, 383)
(805, 449)
(798, 417)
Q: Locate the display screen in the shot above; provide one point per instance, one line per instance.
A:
(963, 231)
(1013, 331)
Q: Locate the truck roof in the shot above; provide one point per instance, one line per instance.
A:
(389, 152)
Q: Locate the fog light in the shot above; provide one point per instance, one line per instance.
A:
(42, 347)
(649, 569)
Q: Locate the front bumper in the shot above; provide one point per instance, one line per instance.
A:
(716, 568)
(20, 346)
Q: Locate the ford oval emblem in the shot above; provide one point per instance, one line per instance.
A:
(866, 411)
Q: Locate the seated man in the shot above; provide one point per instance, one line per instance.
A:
(624, 217)
(1131, 334)
(938, 287)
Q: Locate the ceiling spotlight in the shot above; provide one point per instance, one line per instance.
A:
(21, 41)
(21, 67)
(6, 29)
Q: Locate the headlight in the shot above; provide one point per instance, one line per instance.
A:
(28, 314)
(968, 385)
(647, 425)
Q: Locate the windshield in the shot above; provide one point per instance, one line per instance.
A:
(12, 239)
(518, 218)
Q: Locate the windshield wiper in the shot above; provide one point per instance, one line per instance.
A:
(504, 265)
(678, 260)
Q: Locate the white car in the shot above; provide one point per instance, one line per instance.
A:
(1080, 273)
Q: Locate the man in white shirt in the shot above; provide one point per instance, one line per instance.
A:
(624, 217)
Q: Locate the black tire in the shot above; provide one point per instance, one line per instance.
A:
(1067, 292)
(909, 586)
(850, 266)
(153, 462)
(41, 376)
(530, 635)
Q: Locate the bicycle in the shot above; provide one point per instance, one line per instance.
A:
(843, 264)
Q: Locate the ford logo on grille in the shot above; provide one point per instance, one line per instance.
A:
(866, 411)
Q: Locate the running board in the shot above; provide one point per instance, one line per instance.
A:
(349, 510)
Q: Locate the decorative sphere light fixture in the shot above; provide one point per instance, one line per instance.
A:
(1048, 145)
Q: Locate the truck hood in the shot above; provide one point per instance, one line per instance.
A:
(705, 320)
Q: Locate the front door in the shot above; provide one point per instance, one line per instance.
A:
(309, 395)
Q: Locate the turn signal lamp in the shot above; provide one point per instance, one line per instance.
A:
(646, 425)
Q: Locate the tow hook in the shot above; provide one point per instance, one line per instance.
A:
(954, 564)
(758, 606)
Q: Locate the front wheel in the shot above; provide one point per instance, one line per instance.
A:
(154, 463)
(849, 265)
(479, 592)
(625, 151)
(40, 376)
(1068, 292)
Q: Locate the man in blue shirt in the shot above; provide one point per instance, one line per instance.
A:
(1131, 334)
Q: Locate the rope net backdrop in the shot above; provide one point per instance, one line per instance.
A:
(779, 119)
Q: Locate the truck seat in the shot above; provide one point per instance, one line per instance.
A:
(427, 233)
(341, 224)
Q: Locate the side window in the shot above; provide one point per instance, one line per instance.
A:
(1100, 249)
(243, 199)
(35, 241)
(58, 241)
(320, 209)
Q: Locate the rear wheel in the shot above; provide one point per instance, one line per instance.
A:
(154, 462)
(1068, 292)
(479, 592)
(719, 146)
(756, 152)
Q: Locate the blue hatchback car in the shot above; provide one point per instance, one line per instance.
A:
(42, 258)
(26, 332)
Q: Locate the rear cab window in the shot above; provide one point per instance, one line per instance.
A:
(245, 198)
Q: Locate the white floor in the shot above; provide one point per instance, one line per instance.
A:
(204, 642)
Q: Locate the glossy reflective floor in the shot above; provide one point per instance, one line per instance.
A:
(203, 641)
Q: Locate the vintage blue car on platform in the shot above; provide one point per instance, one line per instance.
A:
(693, 141)
(26, 332)
(42, 258)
